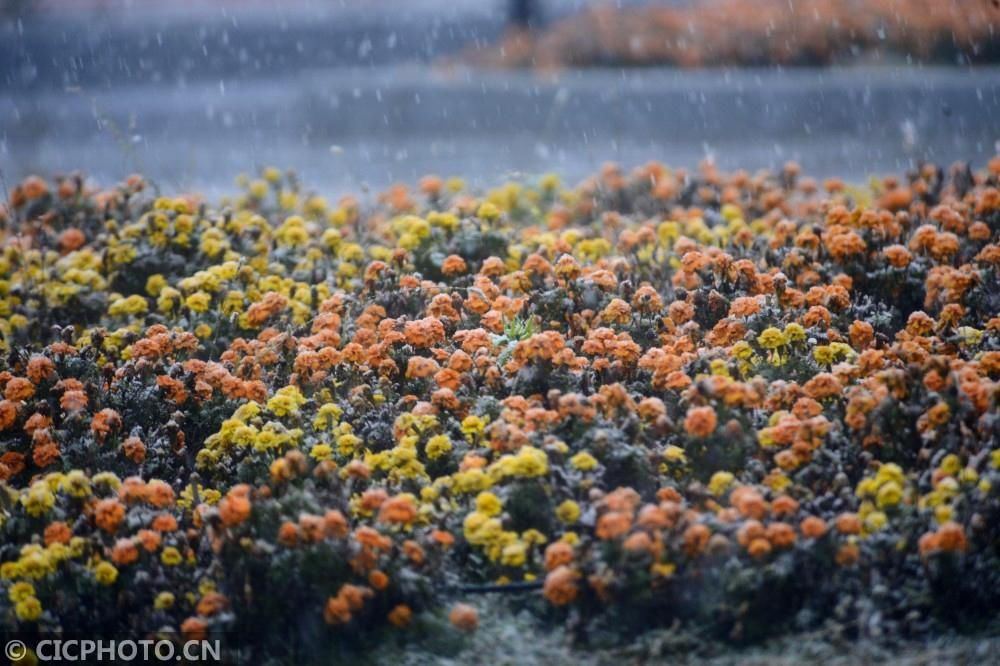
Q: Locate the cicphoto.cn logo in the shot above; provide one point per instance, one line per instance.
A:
(117, 651)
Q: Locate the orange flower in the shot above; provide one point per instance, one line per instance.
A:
(194, 629)
(71, 401)
(18, 389)
(150, 540)
(696, 538)
(371, 538)
(378, 580)
(8, 414)
(45, 454)
(124, 552)
(613, 525)
(784, 505)
(759, 548)
(951, 537)
(781, 535)
(134, 450)
(638, 542)
(133, 490)
(164, 523)
(311, 528)
(211, 604)
(453, 265)
(57, 532)
(823, 385)
(749, 502)
(443, 538)
(750, 530)
(848, 523)
(159, 494)
(464, 617)
(558, 554)
(420, 367)
(744, 306)
(335, 523)
(413, 551)
(173, 389)
(700, 421)
(813, 527)
(234, 509)
(105, 422)
(560, 586)
(354, 595)
(71, 239)
(401, 615)
(288, 534)
(336, 611)
(647, 301)
(847, 554)
(108, 514)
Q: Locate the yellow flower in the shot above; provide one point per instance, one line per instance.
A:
(720, 482)
(719, 368)
(347, 444)
(286, 401)
(663, 569)
(488, 211)
(891, 472)
(943, 513)
(321, 452)
(438, 446)
(474, 426)
(530, 462)
(823, 354)
(164, 601)
(534, 537)
(38, 500)
(488, 504)
(794, 332)
(28, 610)
(583, 461)
(889, 495)
(198, 301)
(470, 481)
(876, 521)
(568, 512)
(168, 300)
(258, 189)
(106, 573)
(75, 483)
(549, 182)
(134, 304)
(20, 591)
(742, 350)
(170, 556)
(674, 454)
(771, 338)
(950, 464)
(514, 555)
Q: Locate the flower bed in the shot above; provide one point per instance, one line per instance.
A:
(712, 33)
(740, 404)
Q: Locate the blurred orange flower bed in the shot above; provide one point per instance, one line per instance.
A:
(760, 32)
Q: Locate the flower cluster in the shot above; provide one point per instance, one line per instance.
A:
(766, 32)
(753, 403)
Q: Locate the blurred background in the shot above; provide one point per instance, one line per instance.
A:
(358, 94)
